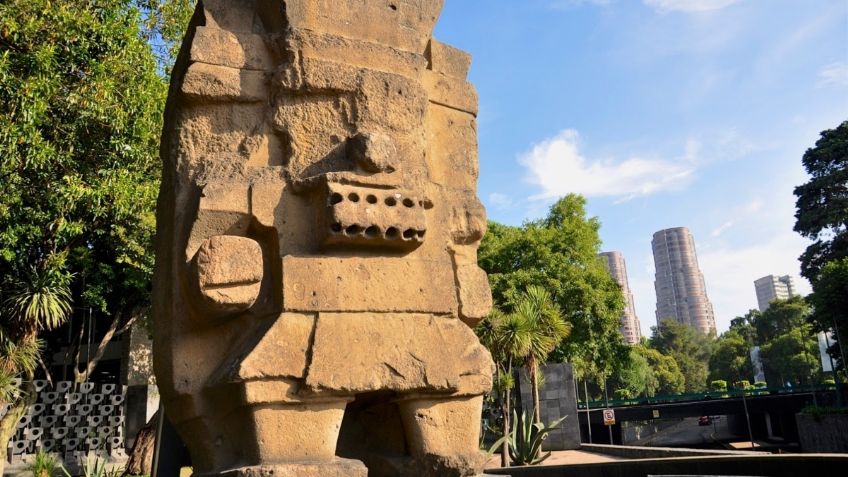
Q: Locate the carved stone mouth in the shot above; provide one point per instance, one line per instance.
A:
(390, 218)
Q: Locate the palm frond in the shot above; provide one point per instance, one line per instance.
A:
(42, 299)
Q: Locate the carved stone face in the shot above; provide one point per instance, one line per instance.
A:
(318, 221)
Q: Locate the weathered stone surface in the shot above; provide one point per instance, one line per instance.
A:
(335, 468)
(448, 60)
(205, 82)
(282, 350)
(229, 272)
(475, 296)
(451, 92)
(358, 352)
(235, 50)
(379, 284)
(318, 226)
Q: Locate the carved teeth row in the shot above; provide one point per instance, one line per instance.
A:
(375, 232)
(389, 200)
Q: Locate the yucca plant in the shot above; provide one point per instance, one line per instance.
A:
(526, 438)
(41, 301)
(43, 465)
(96, 468)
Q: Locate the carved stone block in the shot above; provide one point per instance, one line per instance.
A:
(318, 225)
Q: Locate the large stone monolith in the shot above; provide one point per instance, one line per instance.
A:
(318, 223)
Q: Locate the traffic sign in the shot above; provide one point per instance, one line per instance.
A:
(609, 417)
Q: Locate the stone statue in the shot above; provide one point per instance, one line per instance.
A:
(316, 278)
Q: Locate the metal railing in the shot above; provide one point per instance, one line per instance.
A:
(707, 395)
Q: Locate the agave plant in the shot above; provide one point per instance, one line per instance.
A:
(525, 441)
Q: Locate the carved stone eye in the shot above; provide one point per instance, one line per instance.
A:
(229, 273)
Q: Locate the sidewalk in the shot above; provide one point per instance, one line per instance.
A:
(562, 458)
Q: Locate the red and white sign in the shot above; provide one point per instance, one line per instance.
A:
(609, 417)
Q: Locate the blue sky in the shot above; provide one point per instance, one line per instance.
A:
(663, 113)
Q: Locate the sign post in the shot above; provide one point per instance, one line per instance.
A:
(609, 421)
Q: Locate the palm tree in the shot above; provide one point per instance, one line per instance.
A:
(547, 328)
(508, 339)
(41, 301)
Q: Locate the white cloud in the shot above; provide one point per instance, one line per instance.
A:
(722, 228)
(689, 6)
(557, 166)
(835, 74)
(501, 201)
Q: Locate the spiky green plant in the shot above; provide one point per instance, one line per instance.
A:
(95, 468)
(42, 300)
(43, 465)
(525, 441)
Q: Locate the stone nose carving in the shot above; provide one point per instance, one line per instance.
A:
(373, 152)
(229, 273)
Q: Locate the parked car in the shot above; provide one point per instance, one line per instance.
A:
(704, 421)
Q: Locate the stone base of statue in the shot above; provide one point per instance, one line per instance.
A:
(429, 465)
(335, 468)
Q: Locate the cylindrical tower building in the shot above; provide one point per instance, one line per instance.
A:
(629, 321)
(679, 283)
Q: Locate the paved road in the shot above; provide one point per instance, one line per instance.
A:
(688, 434)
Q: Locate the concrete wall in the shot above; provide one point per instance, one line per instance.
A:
(70, 420)
(823, 434)
(557, 398)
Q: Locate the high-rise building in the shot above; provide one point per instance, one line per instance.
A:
(679, 283)
(630, 328)
(771, 287)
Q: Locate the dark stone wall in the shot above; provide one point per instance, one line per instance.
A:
(557, 398)
(828, 433)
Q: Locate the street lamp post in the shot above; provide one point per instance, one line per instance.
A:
(748, 420)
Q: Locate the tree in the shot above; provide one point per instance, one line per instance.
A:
(546, 330)
(636, 377)
(560, 254)
(81, 104)
(830, 305)
(788, 344)
(822, 206)
(669, 378)
(689, 348)
(507, 337)
(779, 318)
(730, 360)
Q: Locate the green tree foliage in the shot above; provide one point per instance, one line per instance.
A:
(635, 377)
(830, 304)
(690, 349)
(80, 113)
(822, 205)
(788, 345)
(648, 373)
(669, 378)
(744, 326)
(781, 317)
(560, 254)
(731, 360)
